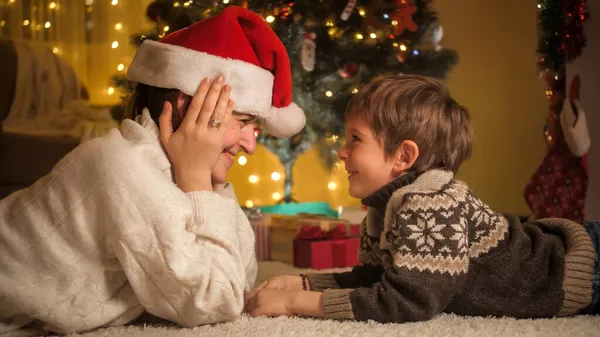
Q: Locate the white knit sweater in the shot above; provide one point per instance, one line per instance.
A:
(107, 235)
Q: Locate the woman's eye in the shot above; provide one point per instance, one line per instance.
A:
(355, 138)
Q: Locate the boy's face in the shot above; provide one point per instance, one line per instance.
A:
(364, 158)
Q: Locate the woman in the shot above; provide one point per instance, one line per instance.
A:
(143, 219)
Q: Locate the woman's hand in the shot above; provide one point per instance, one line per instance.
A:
(195, 146)
(282, 282)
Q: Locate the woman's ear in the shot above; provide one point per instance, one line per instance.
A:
(405, 157)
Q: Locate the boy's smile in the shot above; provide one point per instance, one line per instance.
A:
(363, 155)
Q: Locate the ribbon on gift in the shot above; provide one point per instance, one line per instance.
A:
(316, 233)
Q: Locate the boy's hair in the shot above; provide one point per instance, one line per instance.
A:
(417, 108)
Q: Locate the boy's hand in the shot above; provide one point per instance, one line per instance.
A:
(283, 282)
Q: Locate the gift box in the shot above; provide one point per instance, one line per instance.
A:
(315, 248)
(282, 244)
(262, 234)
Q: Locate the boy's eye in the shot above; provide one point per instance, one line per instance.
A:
(355, 138)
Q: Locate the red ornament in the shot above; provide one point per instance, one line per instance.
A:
(403, 16)
(348, 70)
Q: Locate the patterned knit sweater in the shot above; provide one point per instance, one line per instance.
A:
(429, 245)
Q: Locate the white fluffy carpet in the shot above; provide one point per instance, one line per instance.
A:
(442, 325)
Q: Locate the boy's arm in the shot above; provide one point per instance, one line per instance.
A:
(427, 264)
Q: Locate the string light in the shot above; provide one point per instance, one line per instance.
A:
(539, 6)
(25, 22)
(166, 28)
(55, 50)
(249, 203)
(111, 90)
(394, 23)
(362, 12)
(176, 4)
(415, 52)
(52, 5)
(242, 160)
(114, 2)
(253, 179)
(275, 176)
(332, 185)
(226, 1)
(276, 196)
(2, 23)
(373, 35)
(355, 91)
(89, 2)
(186, 4)
(118, 26)
(359, 36)
(270, 18)
(403, 47)
(47, 24)
(328, 93)
(11, 1)
(120, 67)
(115, 44)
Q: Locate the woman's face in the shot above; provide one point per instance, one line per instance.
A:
(239, 136)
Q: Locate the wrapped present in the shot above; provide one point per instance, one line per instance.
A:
(345, 252)
(282, 244)
(318, 249)
(262, 233)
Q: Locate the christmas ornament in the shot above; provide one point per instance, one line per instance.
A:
(574, 123)
(155, 10)
(403, 17)
(307, 54)
(348, 70)
(438, 34)
(348, 10)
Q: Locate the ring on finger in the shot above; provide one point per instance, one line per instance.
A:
(214, 123)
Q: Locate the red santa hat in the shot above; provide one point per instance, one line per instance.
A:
(237, 44)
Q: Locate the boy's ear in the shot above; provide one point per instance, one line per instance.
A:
(406, 155)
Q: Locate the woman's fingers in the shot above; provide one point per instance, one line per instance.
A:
(210, 101)
(191, 115)
(224, 104)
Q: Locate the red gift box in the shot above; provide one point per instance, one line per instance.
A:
(318, 249)
(262, 233)
(345, 252)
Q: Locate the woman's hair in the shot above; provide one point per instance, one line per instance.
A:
(153, 98)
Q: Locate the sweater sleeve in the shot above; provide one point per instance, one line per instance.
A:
(182, 256)
(425, 259)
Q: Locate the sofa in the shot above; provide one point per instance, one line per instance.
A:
(23, 158)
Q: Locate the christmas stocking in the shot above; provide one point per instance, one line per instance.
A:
(558, 187)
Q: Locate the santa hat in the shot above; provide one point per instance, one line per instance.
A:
(237, 44)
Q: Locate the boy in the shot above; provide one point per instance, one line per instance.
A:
(428, 244)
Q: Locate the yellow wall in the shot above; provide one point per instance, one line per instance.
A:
(496, 80)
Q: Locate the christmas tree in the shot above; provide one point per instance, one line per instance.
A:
(335, 47)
